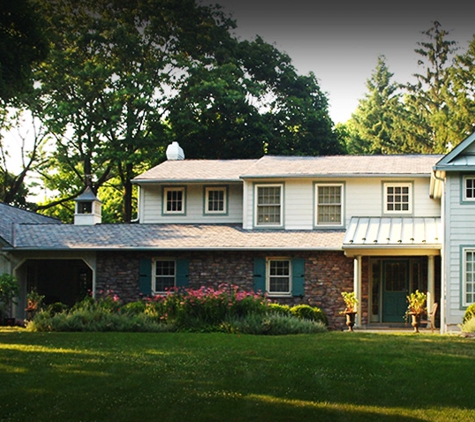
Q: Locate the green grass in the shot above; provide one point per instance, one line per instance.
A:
(335, 376)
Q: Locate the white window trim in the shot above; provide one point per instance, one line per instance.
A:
(225, 199)
(256, 204)
(165, 200)
(154, 274)
(464, 188)
(464, 276)
(386, 185)
(278, 294)
(342, 204)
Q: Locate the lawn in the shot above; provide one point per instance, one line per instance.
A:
(335, 376)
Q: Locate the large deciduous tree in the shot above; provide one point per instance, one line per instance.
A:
(104, 88)
(125, 77)
(22, 44)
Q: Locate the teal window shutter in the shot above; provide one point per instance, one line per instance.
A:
(298, 272)
(259, 275)
(182, 269)
(145, 276)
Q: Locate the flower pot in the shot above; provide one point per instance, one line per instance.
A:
(350, 320)
(416, 322)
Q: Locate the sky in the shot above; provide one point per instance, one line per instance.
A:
(340, 41)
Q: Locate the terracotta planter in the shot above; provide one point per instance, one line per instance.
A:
(350, 320)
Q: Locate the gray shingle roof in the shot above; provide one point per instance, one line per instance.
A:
(170, 236)
(196, 170)
(11, 215)
(277, 166)
(343, 165)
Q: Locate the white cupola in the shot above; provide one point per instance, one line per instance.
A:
(88, 208)
(175, 152)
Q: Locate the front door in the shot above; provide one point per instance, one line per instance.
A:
(395, 289)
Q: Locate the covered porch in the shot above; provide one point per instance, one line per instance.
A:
(393, 257)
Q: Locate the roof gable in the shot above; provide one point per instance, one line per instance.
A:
(463, 155)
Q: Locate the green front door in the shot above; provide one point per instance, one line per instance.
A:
(395, 289)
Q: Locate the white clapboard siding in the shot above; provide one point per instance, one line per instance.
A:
(362, 197)
(152, 207)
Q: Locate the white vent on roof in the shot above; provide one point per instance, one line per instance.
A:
(175, 152)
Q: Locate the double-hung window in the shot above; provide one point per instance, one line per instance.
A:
(398, 198)
(268, 205)
(329, 204)
(215, 200)
(279, 277)
(174, 200)
(469, 188)
(163, 275)
(468, 282)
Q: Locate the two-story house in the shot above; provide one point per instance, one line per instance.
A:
(300, 229)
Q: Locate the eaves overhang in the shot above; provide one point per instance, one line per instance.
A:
(184, 181)
(337, 175)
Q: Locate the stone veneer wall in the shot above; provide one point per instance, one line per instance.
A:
(327, 274)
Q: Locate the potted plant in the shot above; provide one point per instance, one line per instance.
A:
(351, 309)
(416, 308)
(9, 289)
(33, 303)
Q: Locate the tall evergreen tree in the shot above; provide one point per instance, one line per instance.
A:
(462, 100)
(427, 113)
(371, 127)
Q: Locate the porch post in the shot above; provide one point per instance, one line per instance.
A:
(357, 287)
(430, 284)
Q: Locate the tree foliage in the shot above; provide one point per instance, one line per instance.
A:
(22, 44)
(372, 126)
(419, 117)
(427, 114)
(125, 78)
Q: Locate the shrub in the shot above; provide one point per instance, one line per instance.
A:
(56, 308)
(206, 309)
(95, 320)
(469, 313)
(272, 324)
(134, 308)
(310, 313)
(277, 308)
(468, 325)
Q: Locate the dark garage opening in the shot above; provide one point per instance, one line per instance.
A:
(59, 280)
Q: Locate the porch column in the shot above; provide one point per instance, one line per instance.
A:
(430, 284)
(357, 287)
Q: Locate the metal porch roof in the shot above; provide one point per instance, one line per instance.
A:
(393, 232)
